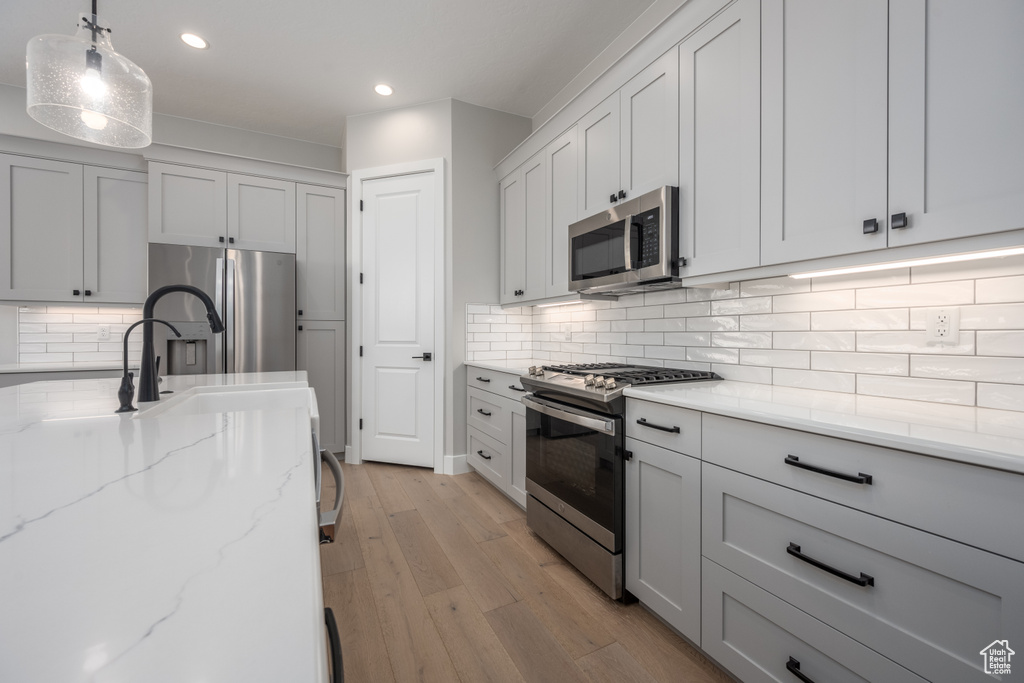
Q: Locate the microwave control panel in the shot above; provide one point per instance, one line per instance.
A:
(645, 234)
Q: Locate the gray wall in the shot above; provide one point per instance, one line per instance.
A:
(471, 140)
(8, 334)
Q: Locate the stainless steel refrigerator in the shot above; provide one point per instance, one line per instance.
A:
(255, 296)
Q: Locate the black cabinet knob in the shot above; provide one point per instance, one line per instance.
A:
(870, 226)
(76, 292)
(899, 220)
(231, 240)
(300, 311)
(88, 292)
(221, 238)
(622, 194)
(300, 328)
(612, 198)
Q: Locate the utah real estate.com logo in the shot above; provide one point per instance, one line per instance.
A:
(997, 658)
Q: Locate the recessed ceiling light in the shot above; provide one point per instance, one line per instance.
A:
(192, 40)
(383, 89)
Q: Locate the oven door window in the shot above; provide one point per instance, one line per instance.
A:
(577, 465)
(599, 252)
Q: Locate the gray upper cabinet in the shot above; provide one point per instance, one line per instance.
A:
(71, 233)
(320, 252)
(719, 143)
(956, 143)
(535, 212)
(823, 128)
(206, 208)
(562, 188)
(115, 235)
(513, 236)
(629, 143)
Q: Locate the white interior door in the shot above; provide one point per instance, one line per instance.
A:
(398, 245)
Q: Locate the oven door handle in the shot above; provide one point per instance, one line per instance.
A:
(569, 415)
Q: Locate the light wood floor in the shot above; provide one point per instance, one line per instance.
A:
(438, 578)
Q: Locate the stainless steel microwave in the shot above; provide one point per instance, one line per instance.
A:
(630, 247)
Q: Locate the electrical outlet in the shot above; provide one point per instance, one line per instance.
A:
(103, 334)
(942, 326)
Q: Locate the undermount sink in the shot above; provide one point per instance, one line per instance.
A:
(209, 400)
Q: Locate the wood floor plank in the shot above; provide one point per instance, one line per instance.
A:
(534, 650)
(532, 543)
(612, 664)
(554, 606)
(414, 647)
(357, 481)
(475, 650)
(485, 582)
(362, 642)
(665, 656)
(492, 501)
(389, 491)
(344, 554)
(480, 525)
(429, 565)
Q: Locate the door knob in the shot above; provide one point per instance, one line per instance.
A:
(426, 356)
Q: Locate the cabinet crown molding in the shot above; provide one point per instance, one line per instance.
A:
(256, 167)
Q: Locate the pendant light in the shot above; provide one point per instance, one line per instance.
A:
(79, 86)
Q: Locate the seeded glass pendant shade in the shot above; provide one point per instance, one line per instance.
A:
(79, 86)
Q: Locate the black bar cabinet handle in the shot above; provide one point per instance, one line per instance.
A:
(859, 478)
(513, 387)
(76, 292)
(337, 665)
(220, 238)
(671, 430)
(483, 455)
(793, 667)
(483, 379)
(862, 580)
(88, 292)
(870, 226)
(483, 412)
(612, 198)
(898, 220)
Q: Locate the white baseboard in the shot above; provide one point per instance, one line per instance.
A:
(456, 464)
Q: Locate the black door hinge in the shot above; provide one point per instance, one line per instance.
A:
(360, 423)
(360, 278)
(360, 351)
(360, 204)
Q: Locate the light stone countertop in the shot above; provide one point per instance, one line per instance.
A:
(515, 366)
(980, 436)
(163, 545)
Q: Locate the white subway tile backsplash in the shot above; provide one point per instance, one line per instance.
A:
(24, 348)
(969, 270)
(612, 314)
(815, 341)
(629, 325)
(712, 355)
(584, 337)
(713, 324)
(867, 363)
(489, 319)
(774, 286)
(44, 317)
(911, 341)
(477, 327)
(97, 318)
(744, 373)
(776, 358)
(749, 340)
(917, 389)
(814, 301)
(626, 350)
(646, 338)
(776, 321)
(46, 357)
(745, 306)
(688, 310)
(665, 325)
(489, 336)
(999, 290)
(885, 278)
(810, 379)
(971, 368)
(46, 338)
(882, 319)
(1000, 343)
(644, 312)
(668, 296)
(933, 294)
(688, 338)
(665, 352)
(71, 348)
(1001, 396)
(984, 317)
(686, 365)
(612, 338)
(597, 326)
(597, 349)
(732, 291)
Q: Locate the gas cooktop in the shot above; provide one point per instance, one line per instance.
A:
(605, 381)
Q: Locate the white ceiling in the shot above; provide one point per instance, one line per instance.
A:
(298, 68)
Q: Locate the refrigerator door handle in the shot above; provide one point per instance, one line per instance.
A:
(229, 319)
(218, 302)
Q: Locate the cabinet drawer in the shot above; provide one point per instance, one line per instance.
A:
(501, 383)
(677, 429)
(964, 502)
(929, 603)
(490, 414)
(489, 457)
(755, 635)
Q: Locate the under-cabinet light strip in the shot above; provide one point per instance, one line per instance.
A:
(974, 256)
(560, 303)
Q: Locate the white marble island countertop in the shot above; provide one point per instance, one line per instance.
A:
(980, 436)
(163, 545)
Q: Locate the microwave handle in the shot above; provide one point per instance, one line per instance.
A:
(627, 229)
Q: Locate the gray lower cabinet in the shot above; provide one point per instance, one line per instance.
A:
(761, 638)
(662, 550)
(496, 430)
(320, 351)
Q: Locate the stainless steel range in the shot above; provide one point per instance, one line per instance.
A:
(575, 468)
